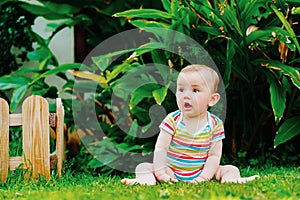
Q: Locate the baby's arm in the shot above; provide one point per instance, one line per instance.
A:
(160, 157)
(212, 162)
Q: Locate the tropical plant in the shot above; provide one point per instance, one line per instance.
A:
(90, 16)
(256, 48)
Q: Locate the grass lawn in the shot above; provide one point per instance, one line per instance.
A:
(275, 183)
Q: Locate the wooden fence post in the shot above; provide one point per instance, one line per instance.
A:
(36, 136)
(60, 136)
(4, 139)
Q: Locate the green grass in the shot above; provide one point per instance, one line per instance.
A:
(275, 183)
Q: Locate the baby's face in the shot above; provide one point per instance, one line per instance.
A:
(193, 93)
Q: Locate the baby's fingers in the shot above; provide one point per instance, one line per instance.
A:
(194, 181)
(197, 180)
(173, 180)
(167, 178)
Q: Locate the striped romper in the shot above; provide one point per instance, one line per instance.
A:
(187, 153)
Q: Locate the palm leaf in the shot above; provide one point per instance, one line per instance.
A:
(289, 129)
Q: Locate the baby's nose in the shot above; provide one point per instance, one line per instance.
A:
(187, 95)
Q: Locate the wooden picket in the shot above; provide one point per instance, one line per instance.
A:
(4, 139)
(34, 120)
(60, 136)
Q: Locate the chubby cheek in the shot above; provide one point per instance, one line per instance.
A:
(202, 101)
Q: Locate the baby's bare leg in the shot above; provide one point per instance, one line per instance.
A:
(231, 174)
(144, 175)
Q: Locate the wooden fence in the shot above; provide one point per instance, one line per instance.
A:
(37, 125)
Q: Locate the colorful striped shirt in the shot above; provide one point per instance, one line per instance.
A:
(188, 152)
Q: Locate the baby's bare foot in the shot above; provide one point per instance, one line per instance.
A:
(241, 180)
(127, 181)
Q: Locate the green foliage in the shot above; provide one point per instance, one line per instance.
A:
(15, 35)
(15, 38)
(288, 130)
(88, 15)
(31, 81)
(251, 34)
(255, 46)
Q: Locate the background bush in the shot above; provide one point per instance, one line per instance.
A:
(255, 45)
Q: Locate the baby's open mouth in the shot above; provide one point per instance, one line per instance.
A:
(187, 105)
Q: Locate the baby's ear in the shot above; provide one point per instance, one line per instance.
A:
(214, 99)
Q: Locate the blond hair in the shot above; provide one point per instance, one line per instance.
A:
(210, 74)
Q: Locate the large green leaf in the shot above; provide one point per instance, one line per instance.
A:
(61, 8)
(278, 99)
(90, 76)
(144, 13)
(289, 129)
(230, 52)
(26, 70)
(17, 96)
(145, 91)
(103, 61)
(160, 94)
(11, 82)
(133, 129)
(122, 68)
(125, 147)
(61, 69)
(212, 30)
(147, 23)
(266, 34)
(43, 11)
(44, 55)
(166, 4)
(40, 54)
(286, 70)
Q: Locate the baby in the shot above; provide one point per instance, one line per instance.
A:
(189, 145)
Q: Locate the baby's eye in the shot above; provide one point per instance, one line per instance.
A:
(180, 90)
(196, 90)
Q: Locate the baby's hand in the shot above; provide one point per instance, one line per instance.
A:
(199, 179)
(163, 177)
(166, 178)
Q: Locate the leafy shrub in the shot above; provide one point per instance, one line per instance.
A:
(15, 35)
(255, 46)
(89, 15)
